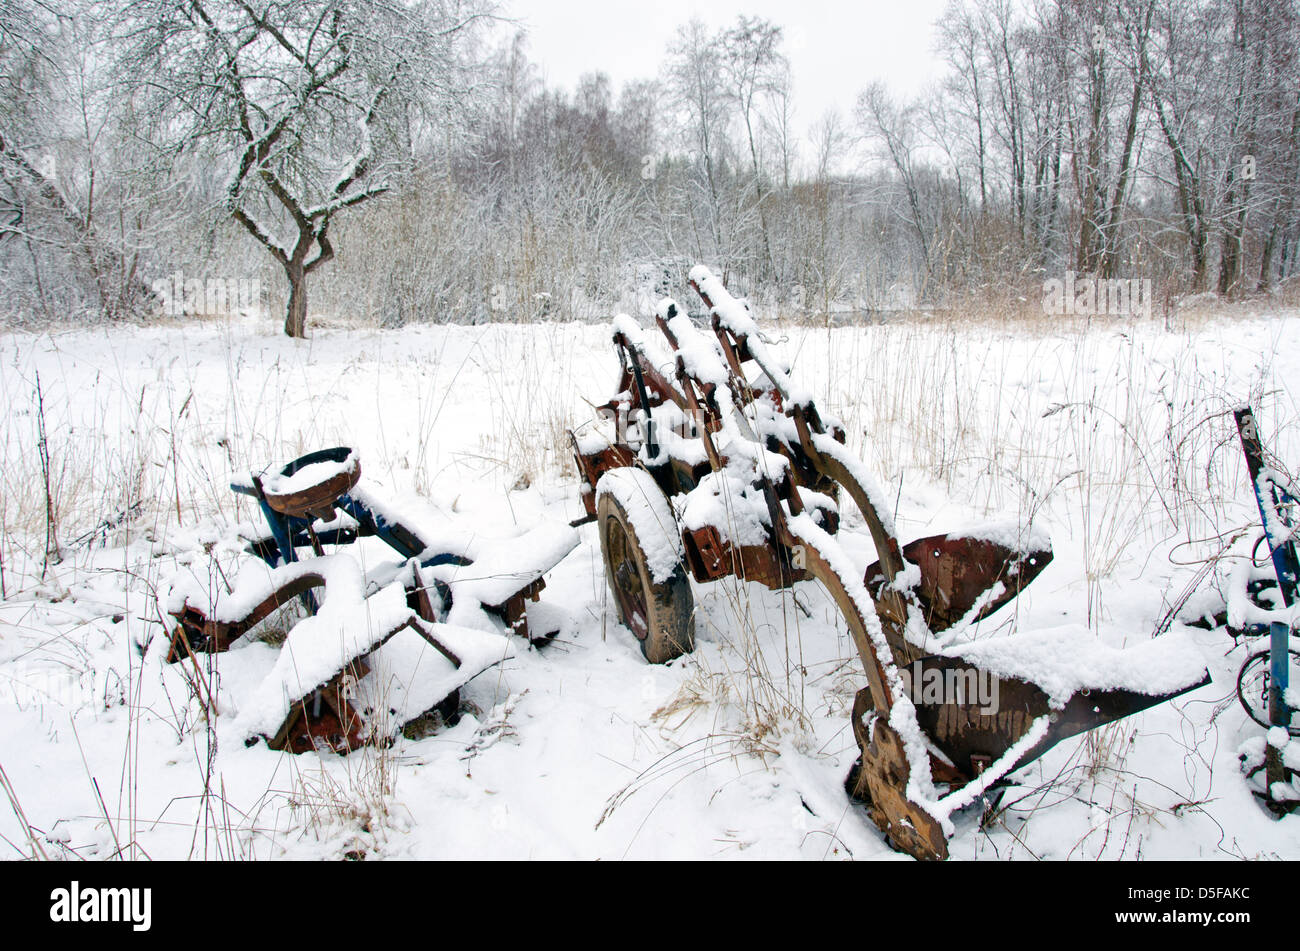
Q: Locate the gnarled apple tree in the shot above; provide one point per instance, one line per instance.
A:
(313, 106)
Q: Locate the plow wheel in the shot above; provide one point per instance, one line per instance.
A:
(1253, 687)
(659, 614)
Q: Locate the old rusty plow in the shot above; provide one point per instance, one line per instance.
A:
(721, 465)
(379, 648)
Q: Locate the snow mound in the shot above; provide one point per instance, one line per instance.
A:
(256, 582)
(409, 676)
(1064, 660)
(509, 565)
(1010, 533)
(319, 647)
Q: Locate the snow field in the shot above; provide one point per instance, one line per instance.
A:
(1116, 437)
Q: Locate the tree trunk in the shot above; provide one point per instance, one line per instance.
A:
(1091, 211)
(1230, 262)
(1266, 260)
(295, 317)
(1190, 204)
(1231, 245)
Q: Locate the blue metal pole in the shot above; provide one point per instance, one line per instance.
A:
(1279, 714)
(283, 535)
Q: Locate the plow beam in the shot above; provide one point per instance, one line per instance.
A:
(195, 632)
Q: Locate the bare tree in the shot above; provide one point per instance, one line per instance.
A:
(67, 189)
(1183, 53)
(693, 78)
(959, 43)
(308, 104)
(892, 128)
(1103, 176)
(1266, 108)
(778, 120)
(755, 71)
(26, 80)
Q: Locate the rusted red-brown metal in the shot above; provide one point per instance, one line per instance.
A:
(326, 719)
(971, 732)
(657, 385)
(205, 635)
(710, 557)
(419, 600)
(964, 578)
(514, 610)
(196, 634)
(961, 580)
(316, 501)
(591, 466)
(879, 779)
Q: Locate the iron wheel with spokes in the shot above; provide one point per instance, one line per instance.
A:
(659, 613)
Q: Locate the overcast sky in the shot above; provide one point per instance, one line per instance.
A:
(835, 47)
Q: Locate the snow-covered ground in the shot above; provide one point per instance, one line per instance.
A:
(1116, 437)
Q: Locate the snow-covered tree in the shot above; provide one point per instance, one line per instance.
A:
(313, 107)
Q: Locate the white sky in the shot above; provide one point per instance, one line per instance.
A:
(835, 47)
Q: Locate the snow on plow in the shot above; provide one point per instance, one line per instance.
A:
(722, 465)
(379, 648)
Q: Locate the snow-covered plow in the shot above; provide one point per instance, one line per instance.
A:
(721, 465)
(380, 647)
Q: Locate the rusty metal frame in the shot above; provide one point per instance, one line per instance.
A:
(961, 580)
(325, 718)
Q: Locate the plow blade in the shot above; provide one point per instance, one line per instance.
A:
(963, 578)
(376, 694)
(991, 714)
(976, 741)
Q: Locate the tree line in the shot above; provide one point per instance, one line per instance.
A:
(398, 161)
